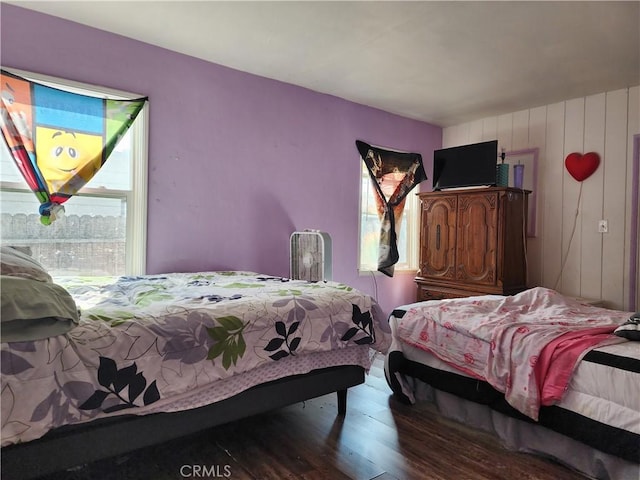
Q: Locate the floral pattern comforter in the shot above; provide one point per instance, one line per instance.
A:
(145, 339)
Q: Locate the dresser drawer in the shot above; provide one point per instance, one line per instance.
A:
(435, 293)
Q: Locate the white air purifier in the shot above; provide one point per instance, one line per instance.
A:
(310, 256)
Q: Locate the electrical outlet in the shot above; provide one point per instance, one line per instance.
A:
(603, 226)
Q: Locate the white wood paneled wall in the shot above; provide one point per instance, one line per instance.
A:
(576, 260)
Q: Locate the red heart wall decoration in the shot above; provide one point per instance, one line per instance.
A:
(581, 166)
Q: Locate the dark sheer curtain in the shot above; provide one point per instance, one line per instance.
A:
(393, 175)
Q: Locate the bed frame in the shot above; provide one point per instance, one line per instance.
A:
(65, 447)
(594, 449)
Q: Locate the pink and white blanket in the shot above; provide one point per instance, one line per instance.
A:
(524, 345)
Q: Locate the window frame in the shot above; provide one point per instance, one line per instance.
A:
(136, 197)
(412, 215)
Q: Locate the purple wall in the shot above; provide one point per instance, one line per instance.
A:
(236, 161)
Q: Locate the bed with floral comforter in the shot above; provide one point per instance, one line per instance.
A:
(159, 343)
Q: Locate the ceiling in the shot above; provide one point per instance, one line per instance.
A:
(442, 62)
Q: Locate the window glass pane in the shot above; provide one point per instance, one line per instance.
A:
(116, 172)
(8, 169)
(402, 239)
(369, 227)
(89, 239)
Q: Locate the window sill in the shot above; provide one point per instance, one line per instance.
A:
(403, 271)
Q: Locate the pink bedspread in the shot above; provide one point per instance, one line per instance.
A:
(502, 340)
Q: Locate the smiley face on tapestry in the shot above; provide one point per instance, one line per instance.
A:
(69, 141)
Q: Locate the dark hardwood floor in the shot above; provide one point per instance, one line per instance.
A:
(379, 438)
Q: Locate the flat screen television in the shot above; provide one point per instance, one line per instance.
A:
(463, 166)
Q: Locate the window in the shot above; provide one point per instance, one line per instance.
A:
(370, 229)
(103, 230)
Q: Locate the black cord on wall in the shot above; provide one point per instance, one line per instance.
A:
(573, 231)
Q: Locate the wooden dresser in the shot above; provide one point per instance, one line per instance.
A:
(472, 242)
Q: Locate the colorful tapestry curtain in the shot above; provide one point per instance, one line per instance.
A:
(59, 139)
(393, 175)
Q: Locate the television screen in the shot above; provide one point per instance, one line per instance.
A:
(465, 166)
